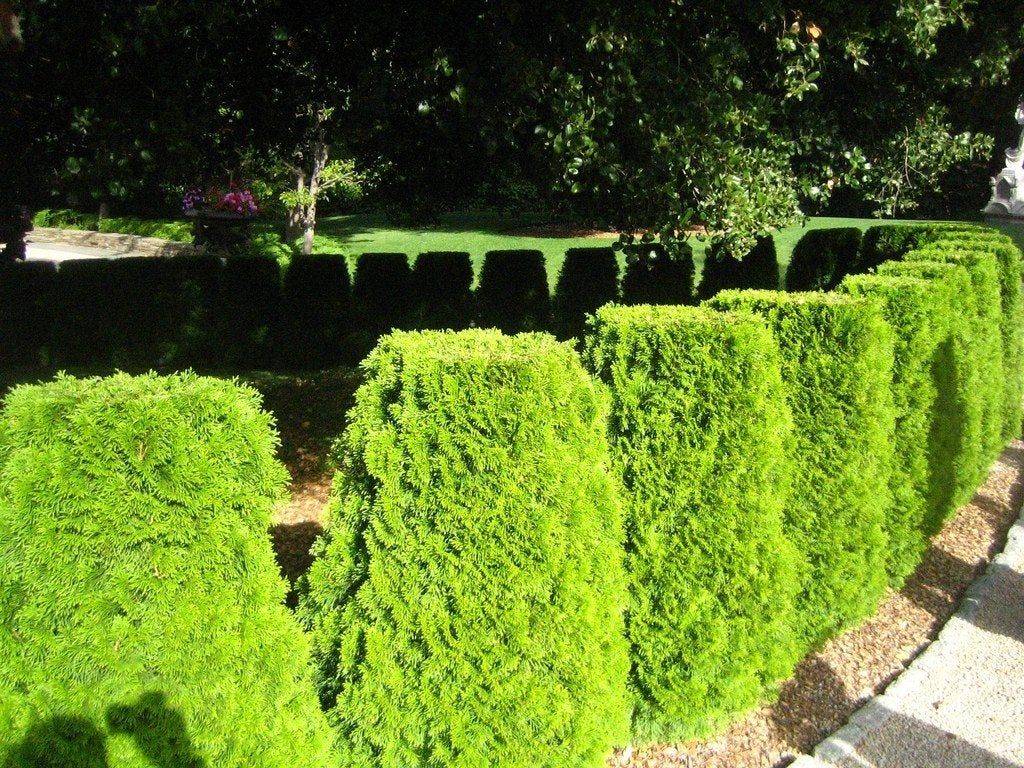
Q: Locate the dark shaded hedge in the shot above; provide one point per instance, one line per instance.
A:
(442, 288)
(758, 269)
(837, 358)
(247, 311)
(138, 591)
(822, 258)
(889, 242)
(381, 294)
(954, 443)
(85, 333)
(659, 278)
(589, 279)
(27, 304)
(317, 311)
(701, 431)
(513, 292)
(916, 311)
(982, 304)
(466, 602)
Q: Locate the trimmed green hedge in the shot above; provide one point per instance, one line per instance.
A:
(442, 287)
(513, 292)
(247, 312)
(139, 597)
(466, 603)
(758, 269)
(837, 358)
(660, 278)
(890, 242)
(701, 431)
(914, 308)
(589, 279)
(983, 304)
(381, 295)
(822, 258)
(954, 444)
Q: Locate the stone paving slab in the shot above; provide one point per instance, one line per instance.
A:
(961, 703)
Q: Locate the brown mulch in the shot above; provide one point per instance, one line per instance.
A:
(833, 683)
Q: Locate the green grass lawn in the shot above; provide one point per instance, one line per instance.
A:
(478, 233)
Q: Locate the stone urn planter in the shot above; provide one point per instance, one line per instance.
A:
(221, 232)
(15, 223)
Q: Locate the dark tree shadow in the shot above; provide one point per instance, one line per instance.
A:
(60, 742)
(292, 544)
(811, 704)
(939, 582)
(158, 730)
(1002, 612)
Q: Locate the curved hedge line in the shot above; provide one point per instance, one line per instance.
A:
(139, 597)
(700, 430)
(837, 358)
(466, 605)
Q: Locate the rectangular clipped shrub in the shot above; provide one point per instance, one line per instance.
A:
(27, 297)
(954, 443)
(888, 242)
(513, 292)
(247, 310)
(143, 309)
(822, 258)
(466, 603)
(1009, 258)
(442, 289)
(659, 277)
(381, 297)
(84, 332)
(196, 285)
(589, 279)
(317, 311)
(701, 433)
(983, 304)
(837, 357)
(757, 269)
(915, 310)
(141, 609)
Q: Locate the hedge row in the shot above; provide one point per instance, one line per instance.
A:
(141, 611)
(199, 311)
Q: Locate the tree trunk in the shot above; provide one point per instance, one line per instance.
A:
(295, 224)
(104, 212)
(320, 153)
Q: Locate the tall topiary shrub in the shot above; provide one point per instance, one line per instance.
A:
(837, 356)
(913, 307)
(700, 430)
(442, 287)
(141, 610)
(660, 277)
(466, 601)
(954, 442)
(983, 304)
(822, 258)
(513, 292)
(317, 311)
(758, 269)
(84, 331)
(589, 279)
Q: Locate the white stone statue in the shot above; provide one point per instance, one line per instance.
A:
(1008, 187)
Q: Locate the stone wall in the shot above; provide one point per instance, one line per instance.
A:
(109, 241)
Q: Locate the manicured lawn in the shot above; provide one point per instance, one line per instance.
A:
(478, 233)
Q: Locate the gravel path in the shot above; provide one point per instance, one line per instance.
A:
(829, 686)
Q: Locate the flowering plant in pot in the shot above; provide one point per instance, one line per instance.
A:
(220, 220)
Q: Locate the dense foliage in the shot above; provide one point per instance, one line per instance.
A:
(914, 309)
(722, 270)
(513, 292)
(140, 604)
(467, 602)
(954, 445)
(822, 258)
(660, 278)
(700, 431)
(837, 358)
(316, 310)
(588, 279)
(442, 283)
